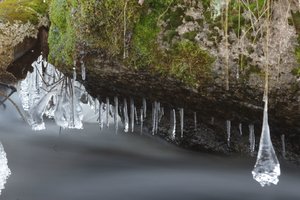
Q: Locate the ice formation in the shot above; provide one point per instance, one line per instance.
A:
(4, 170)
(116, 114)
(125, 113)
(267, 167)
(132, 114)
(181, 113)
(47, 92)
(241, 128)
(251, 139)
(173, 124)
(228, 129)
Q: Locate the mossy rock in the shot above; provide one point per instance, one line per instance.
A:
(22, 10)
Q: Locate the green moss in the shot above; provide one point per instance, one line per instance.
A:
(62, 39)
(189, 63)
(190, 35)
(22, 10)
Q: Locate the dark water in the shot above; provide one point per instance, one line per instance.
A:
(89, 165)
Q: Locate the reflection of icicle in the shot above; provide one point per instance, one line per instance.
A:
(181, 113)
(126, 120)
(195, 120)
(173, 124)
(228, 127)
(116, 114)
(283, 145)
(107, 107)
(145, 107)
(4, 170)
(83, 73)
(267, 167)
(132, 114)
(141, 120)
(241, 128)
(251, 138)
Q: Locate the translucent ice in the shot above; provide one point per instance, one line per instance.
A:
(4, 170)
(132, 114)
(228, 129)
(126, 120)
(267, 167)
(251, 138)
(283, 145)
(181, 113)
(173, 124)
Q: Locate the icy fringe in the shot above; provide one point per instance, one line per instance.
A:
(47, 92)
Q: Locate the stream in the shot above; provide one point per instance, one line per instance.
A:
(90, 164)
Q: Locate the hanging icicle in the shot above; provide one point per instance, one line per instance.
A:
(101, 115)
(181, 113)
(83, 71)
(107, 107)
(132, 114)
(141, 120)
(267, 167)
(251, 139)
(228, 129)
(116, 114)
(126, 120)
(145, 107)
(173, 124)
(241, 129)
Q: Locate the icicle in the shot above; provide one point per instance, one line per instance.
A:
(241, 128)
(83, 71)
(267, 167)
(101, 115)
(136, 116)
(145, 107)
(251, 138)
(153, 117)
(195, 121)
(4, 169)
(142, 120)
(37, 112)
(116, 114)
(157, 112)
(107, 111)
(181, 113)
(283, 145)
(161, 114)
(74, 74)
(228, 128)
(173, 124)
(126, 120)
(132, 114)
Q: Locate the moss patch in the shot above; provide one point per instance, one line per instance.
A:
(22, 10)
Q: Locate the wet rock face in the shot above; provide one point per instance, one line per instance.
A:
(20, 22)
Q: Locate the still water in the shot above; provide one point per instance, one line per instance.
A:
(92, 165)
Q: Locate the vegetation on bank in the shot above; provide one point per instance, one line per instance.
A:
(147, 37)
